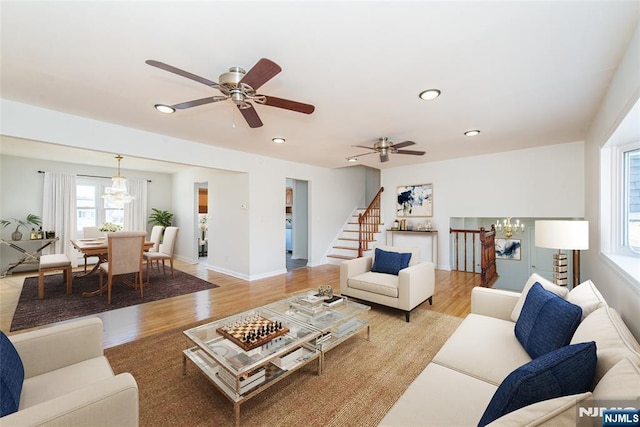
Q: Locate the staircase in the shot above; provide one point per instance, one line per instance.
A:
(359, 235)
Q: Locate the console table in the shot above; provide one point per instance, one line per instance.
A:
(427, 233)
(30, 257)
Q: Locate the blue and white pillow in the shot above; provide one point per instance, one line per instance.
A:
(11, 376)
(563, 372)
(390, 262)
(546, 322)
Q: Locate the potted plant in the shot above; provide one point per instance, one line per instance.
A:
(160, 217)
(17, 234)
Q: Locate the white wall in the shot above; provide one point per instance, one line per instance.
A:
(623, 93)
(535, 183)
(332, 192)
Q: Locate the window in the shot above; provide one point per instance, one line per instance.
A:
(92, 209)
(631, 202)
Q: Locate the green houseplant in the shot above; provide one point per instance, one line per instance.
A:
(17, 234)
(160, 217)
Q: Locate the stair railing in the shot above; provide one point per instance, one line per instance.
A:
(486, 240)
(368, 223)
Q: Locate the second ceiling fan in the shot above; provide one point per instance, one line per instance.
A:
(383, 147)
(240, 86)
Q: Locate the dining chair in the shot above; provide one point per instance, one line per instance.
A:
(90, 233)
(156, 236)
(124, 256)
(165, 251)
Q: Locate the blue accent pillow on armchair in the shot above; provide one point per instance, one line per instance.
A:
(563, 372)
(547, 321)
(390, 262)
(11, 376)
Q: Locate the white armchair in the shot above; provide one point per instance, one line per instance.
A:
(69, 382)
(406, 290)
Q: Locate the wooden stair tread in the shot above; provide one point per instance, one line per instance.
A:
(350, 248)
(340, 256)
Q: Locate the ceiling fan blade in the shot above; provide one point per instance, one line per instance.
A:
(364, 146)
(363, 154)
(262, 72)
(196, 102)
(251, 116)
(384, 157)
(403, 144)
(412, 152)
(272, 101)
(180, 72)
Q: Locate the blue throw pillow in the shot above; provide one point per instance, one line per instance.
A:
(547, 321)
(568, 370)
(11, 376)
(390, 262)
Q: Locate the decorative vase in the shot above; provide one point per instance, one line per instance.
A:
(16, 235)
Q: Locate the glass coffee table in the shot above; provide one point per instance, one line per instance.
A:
(244, 354)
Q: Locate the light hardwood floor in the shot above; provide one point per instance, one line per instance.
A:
(452, 296)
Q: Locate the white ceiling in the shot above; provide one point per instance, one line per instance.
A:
(525, 73)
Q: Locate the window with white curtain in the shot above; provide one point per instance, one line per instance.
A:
(92, 209)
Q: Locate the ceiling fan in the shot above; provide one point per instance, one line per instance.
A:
(383, 146)
(240, 86)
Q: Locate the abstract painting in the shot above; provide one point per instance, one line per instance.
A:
(508, 249)
(415, 200)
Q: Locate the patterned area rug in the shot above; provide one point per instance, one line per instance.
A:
(57, 305)
(361, 382)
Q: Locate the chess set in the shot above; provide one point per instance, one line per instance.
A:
(252, 332)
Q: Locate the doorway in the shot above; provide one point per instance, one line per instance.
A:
(202, 221)
(296, 223)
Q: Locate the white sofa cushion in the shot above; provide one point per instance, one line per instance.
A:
(47, 386)
(587, 297)
(551, 287)
(483, 347)
(377, 283)
(560, 411)
(440, 396)
(623, 380)
(613, 339)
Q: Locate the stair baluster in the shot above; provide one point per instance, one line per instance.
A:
(368, 223)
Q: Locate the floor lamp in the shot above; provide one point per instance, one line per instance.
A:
(563, 235)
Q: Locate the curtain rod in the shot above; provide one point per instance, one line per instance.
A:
(93, 176)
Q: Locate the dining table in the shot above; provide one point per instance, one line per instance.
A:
(97, 247)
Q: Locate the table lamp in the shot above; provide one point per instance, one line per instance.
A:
(563, 235)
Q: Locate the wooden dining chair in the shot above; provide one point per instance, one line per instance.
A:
(124, 256)
(165, 251)
(156, 236)
(90, 233)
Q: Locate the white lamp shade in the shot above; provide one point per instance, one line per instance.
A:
(567, 235)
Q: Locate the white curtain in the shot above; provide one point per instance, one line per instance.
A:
(135, 212)
(59, 212)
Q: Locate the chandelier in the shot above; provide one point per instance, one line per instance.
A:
(117, 195)
(508, 227)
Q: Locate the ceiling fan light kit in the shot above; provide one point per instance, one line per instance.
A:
(384, 147)
(238, 85)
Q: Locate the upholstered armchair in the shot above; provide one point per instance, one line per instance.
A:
(58, 376)
(393, 277)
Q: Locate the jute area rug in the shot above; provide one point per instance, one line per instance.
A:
(361, 381)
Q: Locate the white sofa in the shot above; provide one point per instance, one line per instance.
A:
(411, 287)
(69, 382)
(456, 387)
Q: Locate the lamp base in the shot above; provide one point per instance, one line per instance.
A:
(560, 269)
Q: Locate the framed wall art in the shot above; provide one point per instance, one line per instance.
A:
(415, 200)
(508, 249)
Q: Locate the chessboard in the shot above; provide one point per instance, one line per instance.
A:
(253, 333)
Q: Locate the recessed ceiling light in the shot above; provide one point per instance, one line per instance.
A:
(352, 159)
(278, 140)
(472, 132)
(429, 94)
(166, 109)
